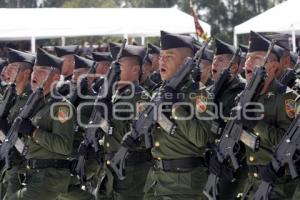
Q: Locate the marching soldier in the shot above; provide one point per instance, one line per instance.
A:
(83, 67)
(279, 111)
(128, 95)
(226, 101)
(48, 134)
(18, 70)
(67, 53)
(179, 171)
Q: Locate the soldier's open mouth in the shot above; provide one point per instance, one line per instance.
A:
(214, 71)
(248, 71)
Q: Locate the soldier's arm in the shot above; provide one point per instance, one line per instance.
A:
(273, 132)
(60, 139)
(197, 129)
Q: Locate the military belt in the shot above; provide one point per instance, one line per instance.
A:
(179, 164)
(135, 157)
(48, 163)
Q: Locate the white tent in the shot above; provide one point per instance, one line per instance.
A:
(37, 23)
(284, 18)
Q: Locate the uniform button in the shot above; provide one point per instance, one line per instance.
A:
(108, 162)
(158, 127)
(157, 144)
(107, 144)
(255, 175)
(251, 158)
(257, 134)
(158, 158)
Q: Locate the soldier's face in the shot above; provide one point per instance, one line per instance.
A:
(11, 72)
(68, 65)
(102, 67)
(129, 68)
(220, 62)
(256, 59)
(170, 60)
(41, 75)
(77, 73)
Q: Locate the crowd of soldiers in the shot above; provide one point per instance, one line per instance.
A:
(61, 159)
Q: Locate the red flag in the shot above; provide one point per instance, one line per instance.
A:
(199, 30)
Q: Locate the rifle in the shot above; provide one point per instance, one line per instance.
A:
(96, 119)
(233, 132)
(286, 153)
(26, 113)
(141, 128)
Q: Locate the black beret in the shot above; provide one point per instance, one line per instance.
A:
(3, 63)
(19, 56)
(170, 41)
(66, 50)
(258, 42)
(293, 57)
(208, 55)
(102, 56)
(153, 49)
(81, 62)
(129, 51)
(282, 40)
(45, 59)
(224, 48)
(244, 48)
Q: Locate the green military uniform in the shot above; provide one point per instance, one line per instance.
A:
(52, 142)
(279, 111)
(138, 164)
(188, 142)
(226, 101)
(13, 176)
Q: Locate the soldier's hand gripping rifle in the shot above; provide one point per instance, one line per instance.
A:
(91, 138)
(233, 134)
(141, 128)
(26, 113)
(288, 78)
(286, 153)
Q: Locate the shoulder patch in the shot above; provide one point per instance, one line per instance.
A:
(290, 108)
(201, 103)
(63, 114)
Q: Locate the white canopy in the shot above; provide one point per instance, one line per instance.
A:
(284, 18)
(39, 23)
